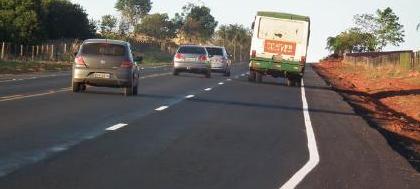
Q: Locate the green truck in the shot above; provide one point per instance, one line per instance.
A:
(279, 46)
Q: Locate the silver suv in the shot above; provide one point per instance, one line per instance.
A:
(192, 59)
(106, 63)
(219, 60)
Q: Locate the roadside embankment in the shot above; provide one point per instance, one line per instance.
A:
(388, 97)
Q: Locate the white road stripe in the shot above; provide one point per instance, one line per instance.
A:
(190, 96)
(16, 97)
(229, 79)
(242, 75)
(161, 108)
(313, 149)
(208, 89)
(221, 83)
(116, 127)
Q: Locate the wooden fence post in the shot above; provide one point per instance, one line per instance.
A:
(2, 51)
(65, 49)
(33, 52)
(21, 50)
(52, 52)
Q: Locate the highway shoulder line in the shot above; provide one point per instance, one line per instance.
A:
(312, 147)
(116, 127)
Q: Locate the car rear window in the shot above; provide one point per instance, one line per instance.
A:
(103, 49)
(214, 51)
(192, 50)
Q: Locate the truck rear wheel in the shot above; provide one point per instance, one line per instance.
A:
(258, 77)
(251, 76)
(290, 82)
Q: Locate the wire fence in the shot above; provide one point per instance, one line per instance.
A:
(64, 51)
(51, 51)
(407, 60)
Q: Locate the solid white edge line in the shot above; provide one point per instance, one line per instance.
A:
(312, 147)
(116, 127)
(208, 89)
(162, 108)
(190, 96)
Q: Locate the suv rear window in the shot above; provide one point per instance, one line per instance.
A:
(214, 51)
(192, 50)
(103, 49)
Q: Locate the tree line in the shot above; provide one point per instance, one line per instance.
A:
(193, 24)
(31, 21)
(35, 21)
(372, 32)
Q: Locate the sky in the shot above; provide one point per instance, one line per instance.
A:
(328, 17)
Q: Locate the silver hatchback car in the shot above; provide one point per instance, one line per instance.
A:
(106, 63)
(192, 59)
(219, 60)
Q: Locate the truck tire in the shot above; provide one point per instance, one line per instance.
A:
(251, 76)
(290, 82)
(258, 77)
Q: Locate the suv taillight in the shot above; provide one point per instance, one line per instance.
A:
(126, 64)
(253, 54)
(80, 62)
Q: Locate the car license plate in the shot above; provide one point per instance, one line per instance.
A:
(102, 75)
(191, 59)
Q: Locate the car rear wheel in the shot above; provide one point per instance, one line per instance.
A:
(76, 87)
(175, 72)
(227, 73)
(208, 74)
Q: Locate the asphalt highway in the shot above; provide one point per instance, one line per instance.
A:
(190, 132)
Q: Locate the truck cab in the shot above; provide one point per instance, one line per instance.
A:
(279, 46)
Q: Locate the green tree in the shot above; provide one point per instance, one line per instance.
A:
(133, 10)
(67, 20)
(196, 24)
(108, 24)
(384, 26)
(158, 26)
(352, 40)
(19, 21)
(236, 38)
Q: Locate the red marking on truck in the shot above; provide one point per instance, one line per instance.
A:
(280, 47)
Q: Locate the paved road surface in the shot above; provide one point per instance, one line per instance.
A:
(188, 132)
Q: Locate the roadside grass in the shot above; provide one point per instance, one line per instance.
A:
(15, 67)
(155, 57)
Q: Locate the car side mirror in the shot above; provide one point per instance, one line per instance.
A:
(138, 59)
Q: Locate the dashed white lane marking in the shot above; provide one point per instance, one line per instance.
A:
(155, 75)
(242, 75)
(208, 89)
(162, 108)
(229, 79)
(221, 83)
(312, 147)
(116, 127)
(16, 97)
(190, 96)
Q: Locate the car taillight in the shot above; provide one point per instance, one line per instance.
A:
(179, 56)
(253, 54)
(303, 60)
(80, 62)
(203, 58)
(126, 64)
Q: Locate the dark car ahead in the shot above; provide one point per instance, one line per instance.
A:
(192, 59)
(105, 63)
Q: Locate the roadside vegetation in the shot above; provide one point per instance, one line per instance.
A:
(27, 25)
(382, 86)
(14, 67)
